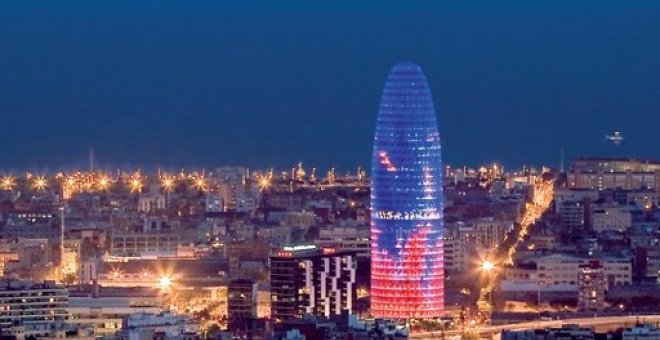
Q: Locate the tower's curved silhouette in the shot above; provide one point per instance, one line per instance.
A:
(407, 274)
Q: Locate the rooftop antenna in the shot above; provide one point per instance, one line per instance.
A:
(561, 158)
(91, 158)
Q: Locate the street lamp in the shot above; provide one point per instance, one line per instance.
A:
(165, 282)
(489, 267)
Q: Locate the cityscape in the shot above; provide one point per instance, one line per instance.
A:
(408, 245)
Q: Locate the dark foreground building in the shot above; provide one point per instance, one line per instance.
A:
(307, 280)
(407, 278)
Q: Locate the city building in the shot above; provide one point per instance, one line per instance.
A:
(564, 332)
(572, 213)
(349, 238)
(309, 280)
(104, 315)
(241, 299)
(143, 326)
(407, 274)
(144, 244)
(559, 269)
(591, 286)
(36, 307)
(641, 332)
(610, 217)
(150, 202)
(613, 173)
(490, 232)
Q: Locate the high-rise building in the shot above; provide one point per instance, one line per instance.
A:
(407, 274)
(307, 280)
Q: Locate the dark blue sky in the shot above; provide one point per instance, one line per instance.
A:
(269, 83)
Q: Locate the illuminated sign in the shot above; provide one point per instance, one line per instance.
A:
(408, 215)
(300, 247)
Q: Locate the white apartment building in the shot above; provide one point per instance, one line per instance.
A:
(562, 269)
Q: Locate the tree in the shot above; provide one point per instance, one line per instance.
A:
(70, 278)
(211, 331)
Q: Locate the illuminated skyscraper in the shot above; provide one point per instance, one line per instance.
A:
(407, 274)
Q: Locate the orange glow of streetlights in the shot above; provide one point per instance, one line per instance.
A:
(200, 183)
(40, 183)
(487, 266)
(136, 182)
(264, 183)
(164, 282)
(167, 182)
(8, 182)
(104, 183)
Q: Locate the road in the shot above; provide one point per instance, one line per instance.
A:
(545, 324)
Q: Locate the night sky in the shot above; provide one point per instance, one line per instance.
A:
(270, 83)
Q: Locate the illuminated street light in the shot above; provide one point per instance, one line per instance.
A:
(8, 182)
(200, 183)
(104, 183)
(488, 266)
(40, 183)
(264, 183)
(164, 282)
(167, 182)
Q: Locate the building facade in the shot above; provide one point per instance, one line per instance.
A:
(35, 306)
(610, 218)
(241, 295)
(308, 280)
(613, 173)
(407, 274)
(562, 269)
(591, 286)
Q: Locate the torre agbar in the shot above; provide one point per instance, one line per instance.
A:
(407, 274)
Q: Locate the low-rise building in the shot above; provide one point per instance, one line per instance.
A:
(349, 238)
(147, 326)
(563, 269)
(104, 316)
(35, 306)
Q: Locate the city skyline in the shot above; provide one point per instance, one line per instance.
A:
(329, 170)
(182, 85)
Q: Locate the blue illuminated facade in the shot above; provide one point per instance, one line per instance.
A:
(407, 274)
